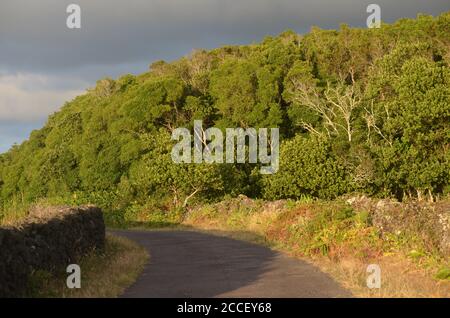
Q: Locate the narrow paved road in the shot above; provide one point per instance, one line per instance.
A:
(192, 264)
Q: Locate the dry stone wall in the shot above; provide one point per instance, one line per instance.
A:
(48, 239)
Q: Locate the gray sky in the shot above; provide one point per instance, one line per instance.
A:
(43, 63)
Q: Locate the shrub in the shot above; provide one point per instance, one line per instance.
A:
(307, 168)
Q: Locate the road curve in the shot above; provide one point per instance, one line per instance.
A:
(192, 264)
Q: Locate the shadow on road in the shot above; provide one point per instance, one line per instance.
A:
(193, 264)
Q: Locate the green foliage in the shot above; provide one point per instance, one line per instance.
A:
(307, 167)
(358, 109)
(410, 93)
(246, 95)
(443, 273)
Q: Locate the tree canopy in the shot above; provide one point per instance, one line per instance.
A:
(358, 110)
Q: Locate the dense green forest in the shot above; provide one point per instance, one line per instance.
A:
(359, 110)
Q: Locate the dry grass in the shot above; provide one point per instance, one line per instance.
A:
(346, 261)
(400, 278)
(12, 216)
(103, 275)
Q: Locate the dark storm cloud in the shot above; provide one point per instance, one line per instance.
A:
(43, 63)
(33, 35)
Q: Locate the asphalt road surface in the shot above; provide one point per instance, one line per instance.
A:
(187, 264)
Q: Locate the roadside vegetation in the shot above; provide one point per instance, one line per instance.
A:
(103, 274)
(342, 239)
(359, 110)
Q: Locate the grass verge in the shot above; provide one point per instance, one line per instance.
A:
(103, 275)
(339, 240)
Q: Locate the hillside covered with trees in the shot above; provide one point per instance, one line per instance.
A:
(359, 110)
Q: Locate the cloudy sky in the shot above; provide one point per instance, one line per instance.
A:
(43, 63)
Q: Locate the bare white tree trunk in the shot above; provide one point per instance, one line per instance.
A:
(189, 196)
(335, 106)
